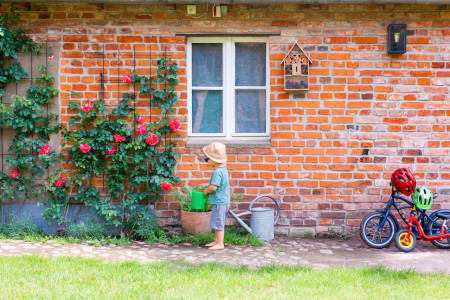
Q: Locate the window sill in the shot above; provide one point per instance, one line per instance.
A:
(247, 143)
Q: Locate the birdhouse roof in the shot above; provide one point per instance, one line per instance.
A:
(292, 48)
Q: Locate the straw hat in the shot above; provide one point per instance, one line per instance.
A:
(216, 152)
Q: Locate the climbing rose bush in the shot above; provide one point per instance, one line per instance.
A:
(120, 162)
(28, 116)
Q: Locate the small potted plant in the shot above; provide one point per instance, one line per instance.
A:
(194, 221)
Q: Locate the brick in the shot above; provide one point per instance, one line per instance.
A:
(129, 39)
(336, 40)
(339, 56)
(284, 24)
(420, 40)
(365, 40)
(75, 38)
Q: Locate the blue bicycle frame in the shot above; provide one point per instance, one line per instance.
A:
(387, 210)
(423, 218)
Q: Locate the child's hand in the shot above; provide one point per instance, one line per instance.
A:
(203, 185)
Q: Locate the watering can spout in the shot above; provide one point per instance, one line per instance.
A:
(188, 191)
(236, 217)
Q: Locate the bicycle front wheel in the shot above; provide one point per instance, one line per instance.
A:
(435, 227)
(403, 242)
(372, 235)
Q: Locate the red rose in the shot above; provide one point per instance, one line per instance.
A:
(139, 119)
(60, 182)
(119, 138)
(127, 78)
(112, 151)
(14, 174)
(85, 148)
(141, 129)
(45, 150)
(175, 125)
(166, 186)
(90, 101)
(152, 139)
(86, 108)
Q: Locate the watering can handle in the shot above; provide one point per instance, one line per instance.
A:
(278, 207)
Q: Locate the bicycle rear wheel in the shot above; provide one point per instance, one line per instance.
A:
(435, 228)
(372, 235)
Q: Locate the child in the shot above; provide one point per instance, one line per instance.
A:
(218, 190)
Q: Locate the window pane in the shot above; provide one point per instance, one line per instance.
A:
(250, 64)
(207, 65)
(250, 111)
(207, 112)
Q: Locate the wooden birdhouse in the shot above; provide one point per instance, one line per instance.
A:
(296, 69)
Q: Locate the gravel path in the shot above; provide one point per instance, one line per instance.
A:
(317, 253)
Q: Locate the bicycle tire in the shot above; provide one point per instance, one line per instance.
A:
(433, 229)
(375, 238)
(403, 244)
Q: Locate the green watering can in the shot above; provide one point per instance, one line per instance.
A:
(198, 199)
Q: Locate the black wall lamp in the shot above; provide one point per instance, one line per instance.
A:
(397, 38)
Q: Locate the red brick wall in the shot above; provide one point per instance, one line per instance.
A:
(334, 147)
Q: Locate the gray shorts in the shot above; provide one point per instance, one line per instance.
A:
(219, 216)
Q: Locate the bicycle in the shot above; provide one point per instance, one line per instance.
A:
(378, 229)
(405, 240)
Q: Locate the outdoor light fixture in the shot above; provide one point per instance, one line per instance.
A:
(397, 38)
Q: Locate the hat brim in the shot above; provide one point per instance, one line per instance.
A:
(219, 160)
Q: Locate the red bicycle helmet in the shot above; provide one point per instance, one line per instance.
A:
(404, 181)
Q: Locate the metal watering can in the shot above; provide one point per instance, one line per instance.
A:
(261, 220)
(198, 199)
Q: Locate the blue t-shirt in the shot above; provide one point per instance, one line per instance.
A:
(219, 177)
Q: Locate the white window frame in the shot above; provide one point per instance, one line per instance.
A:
(228, 87)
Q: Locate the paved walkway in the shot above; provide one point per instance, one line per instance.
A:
(280, 251)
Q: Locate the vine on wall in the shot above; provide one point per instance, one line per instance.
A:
(134, 160)
(29, 154)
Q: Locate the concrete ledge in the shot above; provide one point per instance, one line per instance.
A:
(249, 143)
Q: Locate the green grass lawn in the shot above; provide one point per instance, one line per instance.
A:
(80, 278)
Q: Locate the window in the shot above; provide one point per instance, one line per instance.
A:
(228, 87)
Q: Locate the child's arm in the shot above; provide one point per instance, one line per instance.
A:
(211, 189)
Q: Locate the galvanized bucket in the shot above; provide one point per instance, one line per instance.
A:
(261, 220)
